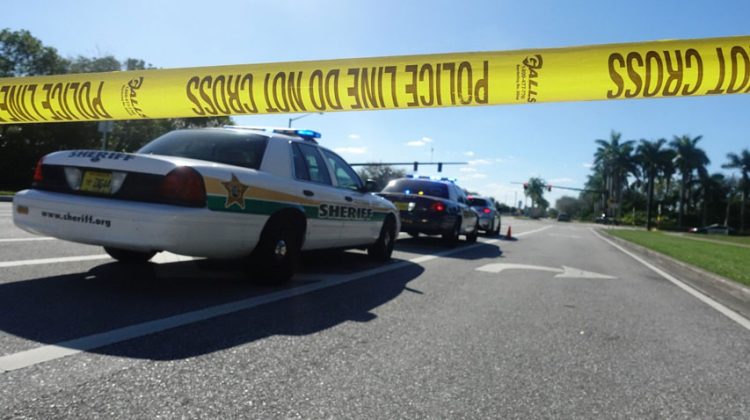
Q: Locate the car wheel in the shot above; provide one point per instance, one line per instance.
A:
(129, 257)
(472, 237)
(451, 236)
(277, 255)
(382, 249)
(497, 229)
(490, 230)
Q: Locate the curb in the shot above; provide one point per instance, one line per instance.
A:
(6, 198)
(729, 292)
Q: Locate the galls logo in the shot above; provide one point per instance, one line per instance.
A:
(527, 78)
(129, 96)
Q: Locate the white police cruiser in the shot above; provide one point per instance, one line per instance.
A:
(214, 192)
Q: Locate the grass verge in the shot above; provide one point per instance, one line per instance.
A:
(742, 240)
(728, 261)
(7, 193)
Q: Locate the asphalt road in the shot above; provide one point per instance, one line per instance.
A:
(500, 329)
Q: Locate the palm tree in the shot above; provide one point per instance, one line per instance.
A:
(535, 189)
(741, 162)
(615, 160)
(688, 158)
(653, 161)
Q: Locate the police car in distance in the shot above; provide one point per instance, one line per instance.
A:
(433, 207)
(214, 192)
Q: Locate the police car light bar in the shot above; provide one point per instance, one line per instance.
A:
(304, 134)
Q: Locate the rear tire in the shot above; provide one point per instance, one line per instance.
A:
(451, 237)
(129, 257)
(382, 249)
(472, 237)
(277, 255)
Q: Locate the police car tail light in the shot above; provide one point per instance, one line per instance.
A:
(438, 206)
(73, 177)
(118, 178)
(486, 210)
(183, 186)
(38, 176)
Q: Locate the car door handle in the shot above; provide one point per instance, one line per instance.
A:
(349, 199)
(308, 193)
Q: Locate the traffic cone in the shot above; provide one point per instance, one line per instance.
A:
(508, 235)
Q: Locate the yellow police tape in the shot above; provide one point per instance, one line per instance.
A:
(618, 71)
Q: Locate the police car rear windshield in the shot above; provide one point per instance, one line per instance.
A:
(478, 202)
(418, 187)
(223, 146)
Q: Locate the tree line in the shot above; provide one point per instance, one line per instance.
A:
(21, 145)
(663, 183)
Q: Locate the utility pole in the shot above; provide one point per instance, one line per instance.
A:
(105, 127)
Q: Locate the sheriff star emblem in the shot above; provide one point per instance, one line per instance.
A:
(235, 192)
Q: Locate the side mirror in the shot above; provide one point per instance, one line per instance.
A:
(371, 186)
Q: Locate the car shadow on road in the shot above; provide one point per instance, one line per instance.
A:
(425, 245)
(51, 310)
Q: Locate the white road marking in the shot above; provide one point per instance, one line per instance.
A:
(35, 238)
(734, 316)
(47, 353)
(564, 272)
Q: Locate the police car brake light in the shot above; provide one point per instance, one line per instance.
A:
(438, 206)
(486, 210)
(38, 175)
(183, 186)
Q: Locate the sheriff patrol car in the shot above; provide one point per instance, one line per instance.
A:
(215, 192)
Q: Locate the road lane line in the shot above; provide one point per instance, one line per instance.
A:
(734, 316)
(19, 263)
(27, 239)
(51, 352)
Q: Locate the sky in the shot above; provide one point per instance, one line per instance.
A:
(503, 145)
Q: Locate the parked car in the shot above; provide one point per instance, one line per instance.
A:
(563, 217)
(606, 220)
(433, 207)
(489, 217)
(716, 229)
(215, 192)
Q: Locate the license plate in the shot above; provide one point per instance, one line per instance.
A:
(96, 182)
(402, 206)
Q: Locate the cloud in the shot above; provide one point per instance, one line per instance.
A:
(351, 150)
(469, 153)
(587, 165)
(467, 170)
(476, 176)
(419, 143)
(354, 136)
(480, 162)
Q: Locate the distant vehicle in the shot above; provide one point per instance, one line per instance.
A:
(563, 217)
(489, 217)
(715, 229)
(606, 220)
(215, 192)
(433, 207)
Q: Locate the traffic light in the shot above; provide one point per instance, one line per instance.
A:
(549, 188)
(440, 166)
(525, 186)
(416, 166)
